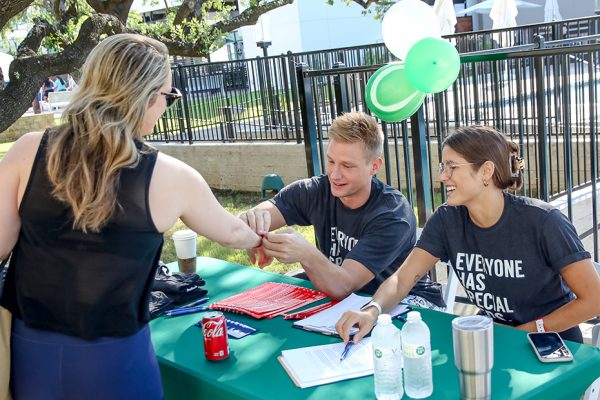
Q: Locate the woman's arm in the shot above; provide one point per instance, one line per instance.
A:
(15, 168)
(389, 294)
(10, 222)
(584, 281)
(179, 191)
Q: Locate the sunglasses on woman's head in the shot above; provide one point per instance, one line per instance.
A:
(172, 96)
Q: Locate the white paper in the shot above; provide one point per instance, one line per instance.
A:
(318, 365)
(324, 321)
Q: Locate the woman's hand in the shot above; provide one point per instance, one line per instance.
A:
(364, 320)
(258, 254)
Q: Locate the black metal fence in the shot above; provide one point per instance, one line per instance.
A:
(257, 99)
(523, 35)
(545, 100)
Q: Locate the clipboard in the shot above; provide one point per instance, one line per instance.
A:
(324, 322)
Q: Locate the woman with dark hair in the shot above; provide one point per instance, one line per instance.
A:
(59, 84)
(83, 208)
(48, 87)
(519, 259)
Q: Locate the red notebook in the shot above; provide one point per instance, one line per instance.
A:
(269, 300)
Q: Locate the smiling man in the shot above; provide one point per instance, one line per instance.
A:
(364, 228)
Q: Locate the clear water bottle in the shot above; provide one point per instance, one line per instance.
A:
(416, 349)
(387, 359)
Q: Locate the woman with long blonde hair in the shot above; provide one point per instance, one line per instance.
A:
(83, 209)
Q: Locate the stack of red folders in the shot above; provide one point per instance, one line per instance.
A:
(269, 300)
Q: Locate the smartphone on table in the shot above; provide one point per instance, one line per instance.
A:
(549, 347)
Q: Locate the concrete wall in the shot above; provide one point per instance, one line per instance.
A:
(241, 166)
(27, 123)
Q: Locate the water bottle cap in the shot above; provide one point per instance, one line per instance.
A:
(384, 319)
(414, 316)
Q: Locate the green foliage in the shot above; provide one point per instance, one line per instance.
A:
(42, 10)
(377, 9)
(190, 30)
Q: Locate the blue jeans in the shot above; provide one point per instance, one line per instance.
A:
(50, 365)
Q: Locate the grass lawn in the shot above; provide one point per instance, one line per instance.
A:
(4, 148)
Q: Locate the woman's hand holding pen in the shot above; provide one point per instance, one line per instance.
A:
(364, 320)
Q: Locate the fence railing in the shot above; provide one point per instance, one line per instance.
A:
(257, 99)
(545, 100)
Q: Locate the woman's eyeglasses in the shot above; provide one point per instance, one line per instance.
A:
(449, 168)
(172, 97)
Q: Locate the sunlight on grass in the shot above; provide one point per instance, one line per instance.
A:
(235, 203)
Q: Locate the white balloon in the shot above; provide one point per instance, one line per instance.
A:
(407, 22)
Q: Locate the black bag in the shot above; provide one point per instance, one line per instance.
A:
(3, 271)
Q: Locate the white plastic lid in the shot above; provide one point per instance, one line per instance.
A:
(384, 319)
(184, 235)
(413, 316)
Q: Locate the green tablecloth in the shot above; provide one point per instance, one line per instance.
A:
(253, 372)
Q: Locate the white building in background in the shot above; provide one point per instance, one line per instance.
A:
(568, 9)
(308, 25)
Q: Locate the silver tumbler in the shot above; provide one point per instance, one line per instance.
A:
(474, 355)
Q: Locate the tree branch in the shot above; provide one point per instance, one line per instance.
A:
(28, 70)
(31, 44)
(249, 16)
(118, 8)
(10, 8)
(184, 11)
(365, 3)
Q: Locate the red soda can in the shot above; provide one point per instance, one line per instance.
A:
(214, 331)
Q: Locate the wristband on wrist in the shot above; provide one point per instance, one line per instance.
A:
(261, 235)
(373, 304)
(539, 324)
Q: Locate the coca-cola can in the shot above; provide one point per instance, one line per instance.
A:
(214, 331)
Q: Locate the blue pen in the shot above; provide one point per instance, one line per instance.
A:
(187, 310)
(346, 350)
(197, 302)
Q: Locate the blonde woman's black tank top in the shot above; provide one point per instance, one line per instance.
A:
(87, 285)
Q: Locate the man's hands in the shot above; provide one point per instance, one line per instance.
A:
(258, 220)
(288, 246)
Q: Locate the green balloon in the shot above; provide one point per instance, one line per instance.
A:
(432, 65)
(390, 96)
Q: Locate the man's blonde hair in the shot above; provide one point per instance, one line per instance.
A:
(121, 78)
(358, 127)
